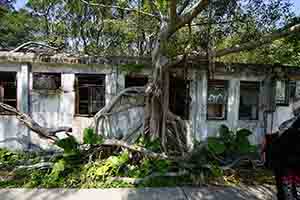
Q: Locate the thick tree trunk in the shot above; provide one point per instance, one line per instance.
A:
(159, 120)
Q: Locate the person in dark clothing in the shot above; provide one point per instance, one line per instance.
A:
(284, 159)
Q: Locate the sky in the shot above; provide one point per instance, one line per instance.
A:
(21, 3)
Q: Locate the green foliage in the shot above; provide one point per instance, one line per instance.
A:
(147, 143)
(69, 145)
(132, 67)
(16, 27)
(229, 143)
(216, 145)
(90, 137)
(10, 159)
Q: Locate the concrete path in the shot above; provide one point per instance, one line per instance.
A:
(177, 193)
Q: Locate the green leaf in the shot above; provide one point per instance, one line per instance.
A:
(69, 145)
(243, 145)
(216, 145)
(243, 133)
(90, 137)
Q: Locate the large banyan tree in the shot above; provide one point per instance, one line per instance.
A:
(172, 32)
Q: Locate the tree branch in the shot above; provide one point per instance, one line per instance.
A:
(257, 43)
(183, 6)
(33, 43)
(173, 11)
(46, 133)
(118, 143)
(121, 8)
(192, 13)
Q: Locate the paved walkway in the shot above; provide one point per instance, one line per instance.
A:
(177, 193)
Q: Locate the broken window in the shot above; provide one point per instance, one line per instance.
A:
(8, 89)
(135, 81)
(282, 93)
(46, 81)
(90, 94)
(249, 100)
(180, 97)
(217, 99)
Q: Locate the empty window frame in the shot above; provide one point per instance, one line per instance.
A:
(90, 93)
(180, 97)
(46, 81)
(249, 100)
(8, 90)
(217, 99)
(135, 81)
(282, 92)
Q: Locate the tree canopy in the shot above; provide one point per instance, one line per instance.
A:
(119, 27)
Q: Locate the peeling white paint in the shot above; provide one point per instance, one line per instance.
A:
(53, 109)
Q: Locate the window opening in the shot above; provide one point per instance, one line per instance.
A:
(180, 97)
(249, 100)
(46, 81)
(90, 94)
(8, 90)
(217, 99)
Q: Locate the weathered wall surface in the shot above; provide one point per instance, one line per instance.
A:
(57, 108)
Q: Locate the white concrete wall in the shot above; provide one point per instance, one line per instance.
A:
(53, 109)
(14, 135)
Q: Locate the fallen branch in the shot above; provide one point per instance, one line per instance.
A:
(230, 165)
(43, 165)
(146, 152)
(46, 133)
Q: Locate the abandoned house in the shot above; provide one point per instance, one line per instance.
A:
(68, 91)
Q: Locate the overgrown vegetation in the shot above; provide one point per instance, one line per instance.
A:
(120, 167)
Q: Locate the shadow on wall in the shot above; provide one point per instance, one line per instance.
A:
(20, 141)
(176, 193)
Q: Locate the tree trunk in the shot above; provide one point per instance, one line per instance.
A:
(158, 117)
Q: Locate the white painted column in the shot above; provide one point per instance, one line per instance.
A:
(233, 103)
(114, 83)
(23, 86)
(23, 82)
(67, 104)
(199, 105)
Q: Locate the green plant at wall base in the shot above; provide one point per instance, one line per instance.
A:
(69, 145)
(132, 67)
(230, 143)
(90, 137)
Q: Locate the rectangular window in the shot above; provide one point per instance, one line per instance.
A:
(135, 81)
(46, 81)
(217, 99)
(8, 90)
(180, 97)
(90, 94)
(282, 93)
(249, 100)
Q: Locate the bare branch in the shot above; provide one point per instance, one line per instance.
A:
(192, 13)
(33, 43)
(121, 8)
(257, 43)
(183, 6)
(118, 143)
(43, 132)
